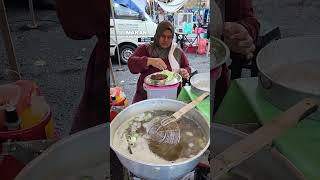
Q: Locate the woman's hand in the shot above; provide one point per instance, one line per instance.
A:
(238, 39)
(157, 63)
(184, 73)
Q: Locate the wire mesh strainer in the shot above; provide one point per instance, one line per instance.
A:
(167, 130)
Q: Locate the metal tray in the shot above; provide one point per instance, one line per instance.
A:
(177, 79)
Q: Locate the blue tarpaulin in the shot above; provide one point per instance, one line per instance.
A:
(132, 4)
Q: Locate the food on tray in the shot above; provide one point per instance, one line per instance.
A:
(158, 77)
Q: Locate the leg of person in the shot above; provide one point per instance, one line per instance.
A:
(221, 88)
(116, 168)
(236, 69)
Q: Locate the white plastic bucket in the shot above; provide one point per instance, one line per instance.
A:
(167, 92)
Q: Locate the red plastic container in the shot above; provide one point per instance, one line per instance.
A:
(36, 132)
(113, 114)
(9, 166)
(191, 49)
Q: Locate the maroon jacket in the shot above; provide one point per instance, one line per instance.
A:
(137, 63)
(240, 11)
(84, 19)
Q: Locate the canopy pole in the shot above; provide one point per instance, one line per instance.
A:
(149, 6)
(34, 24)
(115, 33)
(14, 73)
(154, 9)
(114, 84)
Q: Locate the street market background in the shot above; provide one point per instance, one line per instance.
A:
(57, 64)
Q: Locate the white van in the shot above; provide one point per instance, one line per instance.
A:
(132, 29)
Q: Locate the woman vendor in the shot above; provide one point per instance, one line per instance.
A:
(159, 55)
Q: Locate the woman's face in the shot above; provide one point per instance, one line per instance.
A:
(165, 39)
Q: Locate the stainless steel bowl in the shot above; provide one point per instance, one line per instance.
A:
(196, 79)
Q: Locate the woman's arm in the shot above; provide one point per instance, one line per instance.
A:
(248, 18)
(241, 29)
(184, 62)
(137, 62)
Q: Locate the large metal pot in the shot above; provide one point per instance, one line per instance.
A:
(265, 165)
(81, 155)
(195, 81)
(290, 71)
(152, 170)
(220, 54)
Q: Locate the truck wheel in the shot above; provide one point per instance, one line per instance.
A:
(125, 52)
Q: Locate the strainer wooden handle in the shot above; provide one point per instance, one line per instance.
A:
(177, 115)
(238, 152)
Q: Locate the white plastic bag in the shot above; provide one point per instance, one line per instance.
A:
(172, 60)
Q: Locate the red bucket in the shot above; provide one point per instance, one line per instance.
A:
(113, 114)
(36, 132)
(9, 166)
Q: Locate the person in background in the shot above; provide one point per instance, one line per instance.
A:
(161, 16)
(199, 20)
(79, 22)
(240, 34)
(171, 18)
(153, 57)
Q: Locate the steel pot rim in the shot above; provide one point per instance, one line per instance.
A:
(226, 57)
(160, 164)
(266, 74)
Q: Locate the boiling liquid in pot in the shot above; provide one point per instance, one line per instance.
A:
(303, 76)
(192, 141)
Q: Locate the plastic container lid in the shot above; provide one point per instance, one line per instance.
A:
(12, 91)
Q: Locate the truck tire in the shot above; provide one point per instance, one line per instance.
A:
(125, 52)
